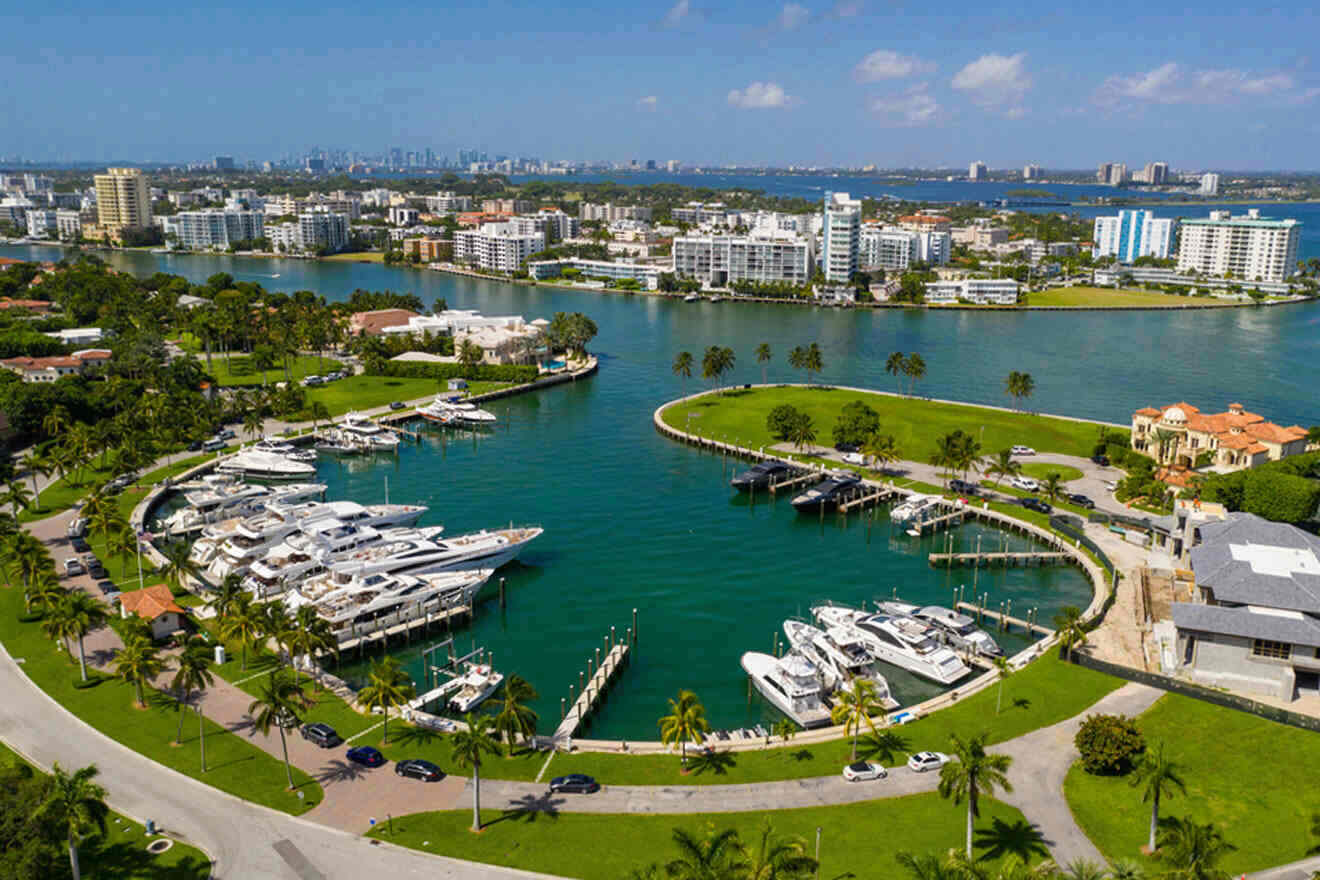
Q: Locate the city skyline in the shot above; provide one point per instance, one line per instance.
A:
(846, 83)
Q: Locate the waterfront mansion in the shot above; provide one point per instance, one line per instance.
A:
(1182, 438)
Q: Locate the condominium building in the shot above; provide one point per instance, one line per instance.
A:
(647, 275)
(314, 231)
(981, 291)
(610, 212)
(698, 213)
(69, 224)
(1031, 172)
(498, 247)
(1133, 234)
(1209, 185)
(718, 260)
(204, 230)
(1250, 246)
(507, 206)
(448, 203)
(123, 200)
(896, 249)
(1156, 173)
(41, 222)
(841, 236)
(402, 215)
(976, 171)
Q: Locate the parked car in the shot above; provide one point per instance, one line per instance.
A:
(195, 446)
(846, 447)
(106, 587)
(1026, 484)
(1023, 450)
(366, 756)
(963, 487)
(321, 734)
(396, 404)
(854, 458)
(310, 381)
(863, 771)
(95, 568)
(79, 544)
(77, 528)
(1081, 501)
(574, 783)
(416, 768)
(225, 434)
(923, 761)
(1102, 460)
(73, 567)
(122, 482)
(215, 444)
(1037, 505)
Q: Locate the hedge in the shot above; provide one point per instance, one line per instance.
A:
(516, 373)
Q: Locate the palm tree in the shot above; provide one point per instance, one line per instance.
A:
(1019, 386)
(717, 361)
(1052, 486)
(77, 614)
(894, 365)
(388, 686)
(18, 497)
(31, 560)
(763, 357)
(778, 858)
(686, 721)
(192, 673)
(1003, 670)
(252, 423)
(277, 705)
(515, 717)
(45, 591)
(243, 624)
(38, 464)
(973, 773)
(138, 662)
(1157, 776)
(797, 359)
(1002, 465)
(683, 366)
(76, 803)
(784, 729)
(226, 595)
(929, 867)
(319, 413)
(716, 856)
(1192, 851)
(802, 432)
(881, 449)
(279, 627)
(468, 744)
(854, 707)
(914, 367)
(813, 361)
(311, 635)
(178, 567)
(1164, 441)
(55, 421)
(1072, 631)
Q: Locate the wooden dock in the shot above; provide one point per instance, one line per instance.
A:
(1005, 621)
(878, 497)
(799, 480)
(944, 520)
(949, 560)
(447, 616)
(593, 692)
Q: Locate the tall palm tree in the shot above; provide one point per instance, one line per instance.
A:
(797, 359)
(515, 717)
(1072, 631)
(178, 568)
(139, 662)
(319, 413)
(914, 367)
(881, 449)
(31, 559)
(1002, 465)
(55, 421)
(778, 858)
(79, 614)
(1157, 776)
(278, 705)
(252, 423)
(468, 744)
(713, 856)
(763, 357)
(77, 804)
(192, 672)
(226, 595)
(1165, 442)
(1002, 671)
(1192, 851)
(45, 591)
(894, 365)
(802, 432)
(58, 621)
(38, 464)
(1019, 386)
(973, 773)
(279, 627)
(686, 721)
(18, 497)
(717, 361)
(784, 729)
(243, 624)
(683, 366)
(311, 635)
(1052, 486)
(388, 686)
(854, 707)
(814, 361)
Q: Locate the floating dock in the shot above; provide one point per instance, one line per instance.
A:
(949, 560)
(1005, 622)
(593, 692)
(799, 480)
(878, 497)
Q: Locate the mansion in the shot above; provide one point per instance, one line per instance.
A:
(1182, 438)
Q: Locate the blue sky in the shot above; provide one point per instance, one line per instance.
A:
(807, 82)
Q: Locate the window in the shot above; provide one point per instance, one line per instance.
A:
(1273, 650)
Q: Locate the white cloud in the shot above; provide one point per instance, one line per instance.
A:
(791, 17)
(1171, 83)
(760, 96)
(679, 11)
(996, 82)
(648, 103)
(914, 107)
(887, 64)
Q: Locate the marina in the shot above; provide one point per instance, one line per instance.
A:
(947, 560)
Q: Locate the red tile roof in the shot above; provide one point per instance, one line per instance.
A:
(151, 602)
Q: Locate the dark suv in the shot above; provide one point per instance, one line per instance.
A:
(321, 734)
(1082, 501)
(963, 487)
(1037, 505)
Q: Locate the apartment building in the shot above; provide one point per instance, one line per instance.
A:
(648, 276)
(1250, 246)
(554, 225)
(313, 231)
(498, 247)
(448, 203)
(1031, 172)
(402, 215)
(699, 213)
(69, 224)
(204, 230)
(1209, 185)
(1133, 234)
(842, 221)
(976, 171)
(508, 206)
(123, 200)
(41, 222)
(428, 249)
(719, 260)
(981, 291)
(609, 212)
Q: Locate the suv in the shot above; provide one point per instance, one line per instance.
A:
(1102, 460)
(1081, 501)
(215, 444)
(964, 487)
(77, 528)
(1037, 505)
(73, 566)
(94, 567)
(321, 734)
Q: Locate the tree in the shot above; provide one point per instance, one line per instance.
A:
(18, 497)
(781, 420)
(38, 464)
(192, 673)
(1193, 851)
(683, 365)
(797, 359)
(388, 687)
(319, 413)
(1002, 465)
(895, 365)
(716, 362)
(1003, 670)
(515, 717)
(786, 730)
(973, 773)
(470, 356)
(226, 595)
(242, 623)
(178, 567)
(310, 635)
(713, 856)
(763, 358)
(278, 626)
(802, 433)
(1052, 486)
(880, 449)
(277, 705)
(686, 721)
(1072, 631)
(138, 662)
(1019, 386)
(778, 858)
(31, 560)
(854, 706)
(914, 367)
(1157, 775)
(856, 422)
(252, 423)
(77, 614)
(77, 804)
(1109, 743)
(813, 361)
(1166, 441)
(468, 744)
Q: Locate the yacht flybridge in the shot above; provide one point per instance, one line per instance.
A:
(792, 684)
(360, 427)
(840, 655)
(255, 464)
(904, 642)
(226, 500)
(368, 601)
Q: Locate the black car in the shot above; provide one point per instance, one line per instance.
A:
(80, 544)
(1102, 460)
(847, 447)
(1037, 505)
(195, 446)
(106, 587)
(574, 783)
(96, 569)
(321, 734)
(419, 769)
(1082, 501)
(397, 404)
(366, 756)
(963, 487)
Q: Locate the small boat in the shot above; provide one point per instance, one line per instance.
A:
(760, 475)
(479, 682)
(691, 298)
(360, 427)
(915, 508)
(716, 298)
(829, 493)
(792, 684)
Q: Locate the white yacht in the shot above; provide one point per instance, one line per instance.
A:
(306, 551)
(915, 508)
(260, 465)
(228, 500)
(478, 683)
(340, 442)
(791, 683)
(458, 411)
(904, 642)
(484, 549)
(959, 630)
(392, 598)
(255, 535)
(363, 428)
(380, 516)
(207, 545)
(411, 551)
(839, 653)
(277, 446)
(895, 608)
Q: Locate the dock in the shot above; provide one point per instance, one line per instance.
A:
(880, 496)
(448, 616)
(934, 524)
(799, 480)
(594, 690)
(948, 560)
(1004, 621)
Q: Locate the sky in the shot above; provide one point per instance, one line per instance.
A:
(807, 82)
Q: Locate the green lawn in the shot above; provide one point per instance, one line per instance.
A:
(60, 495)
(1041, 469)
(1255, 779)
(739, 417)
(235, 765)
(365, 392)
(238, 369)
(856, 840)
(356, 257)
(326, 707)
(1044, 693)
(1101, 297)
(121, 853)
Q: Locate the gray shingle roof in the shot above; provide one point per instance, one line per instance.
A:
(1234, 580)
(1244, 623)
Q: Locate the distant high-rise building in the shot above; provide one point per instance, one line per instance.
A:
(224, 163)
(1133, 234)
(1102, 172)
(1156, 173)
(1209, 185)
(842, 234)
(315, 164)
(672, 166)
(1031, 172)
(976, 171)
(650, 164)
(123, 199)
(396, 157)
(1112, 173)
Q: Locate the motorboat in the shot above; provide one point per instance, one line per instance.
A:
(478, 683)
(380, 516)
(423, 552)
(280, 447)
(406, 551)
(207, 545)
(456, 412)
(760, 476)
(360, 426)
(255, 535)
(337, 442)
(368, 600)
(305, 552)
(959, 630)
(895, 608)
(904, 642)
(828, 493)
(791, 683)
(223, 501)
(840, 654)
(255, 464)
(916, 508)
(691, 298)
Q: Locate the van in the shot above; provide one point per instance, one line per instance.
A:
(215, 444)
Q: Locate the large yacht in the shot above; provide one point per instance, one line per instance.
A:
(227, 500)
(447, 412)
(791, 683)
(277, 446)
(828, 493)
(365, 600)
(208, 543)
(840, 654)
(959, 630)
(380, 516)
(422, 551)
(359, 426)
(255, 535)
(411, 551)
(904, 642)
(305, 552)
(255, 464)
(760, 475)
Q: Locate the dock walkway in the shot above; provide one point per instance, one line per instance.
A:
(998, 558)
(593, 691)
(1004, 620)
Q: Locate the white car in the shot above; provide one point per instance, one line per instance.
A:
(1023, 450)
(863, 771)
(854, 458)
(1026, 484)
(923, 761)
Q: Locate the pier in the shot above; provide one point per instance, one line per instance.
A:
(948, 560)
(934, 524)
(878, 497)
(447, 615)
(602, 673)
(1005, 622)
(799, 480)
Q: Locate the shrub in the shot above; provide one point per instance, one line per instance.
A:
(857, 421)
(781, 420)
(518, 373)
(1280, 497)
(1109, 743)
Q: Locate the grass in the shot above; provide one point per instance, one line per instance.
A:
(1103, 297)
(121, 853)
(237, 370)
(857, 840)
(358, 257)
(66, 491)
(235, 765)
(740, 416)
(326, 706)
(1253, 778)
(365, 392)
(1043, 693)
(1042, 469)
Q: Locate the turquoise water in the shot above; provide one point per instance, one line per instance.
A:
(634, 520)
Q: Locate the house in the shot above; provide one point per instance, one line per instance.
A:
(512, 344)
(36, 306)
(78, 335)
(373, 323)
(49, 369)
(155, 605)
(1251, 619)
(1182, 438)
